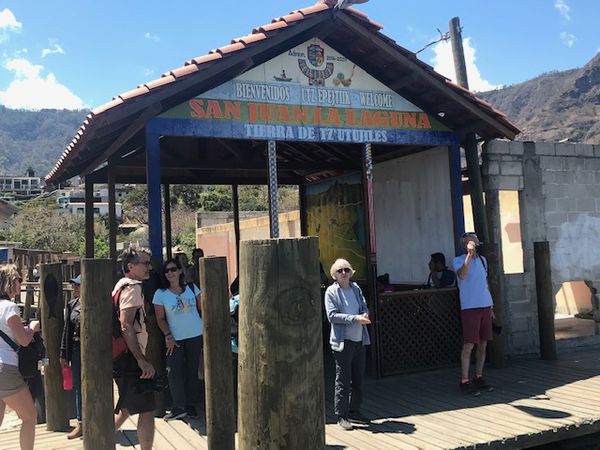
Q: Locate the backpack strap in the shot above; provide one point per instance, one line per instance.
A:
(9, 341)
(116, 300)
(484, 263)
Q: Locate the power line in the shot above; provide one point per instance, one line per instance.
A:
(445, 37)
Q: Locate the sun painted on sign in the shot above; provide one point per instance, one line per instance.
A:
(309, 93)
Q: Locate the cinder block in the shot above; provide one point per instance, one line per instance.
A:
(556, 219)
(497, 147)
(516, 148)
(597, 151)
(563, 177)
(491, 168)
(522, 308)
(545, 148)
(550, 205)
(552, 190)
(515, 279)
(564, 205)
(515, 294)
(511, 168)
(584, 150)
(520, 324)
(592, 163)
(553, 163)
(565, 150)
(575, 164)
(552, 233)
(509, 158)
(585, 177)
(586, 205)
(510, 183)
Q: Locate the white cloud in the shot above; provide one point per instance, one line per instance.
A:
(147, 71)
(443, 63)
(54, 48)
(152, 37)
(8, 20)
(568, 39)
(30, 89)
(8, 23)
(563, 9)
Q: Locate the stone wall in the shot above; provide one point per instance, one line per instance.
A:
(559, 196)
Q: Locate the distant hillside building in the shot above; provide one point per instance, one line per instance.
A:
(73, 200)
(19, 187)
(100, 209)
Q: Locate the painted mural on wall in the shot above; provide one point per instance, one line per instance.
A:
(335, 213)
(309, 93)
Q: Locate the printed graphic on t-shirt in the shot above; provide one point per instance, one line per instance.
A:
(182, 305)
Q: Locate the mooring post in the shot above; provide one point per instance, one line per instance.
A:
(218, 370)
(30, 288)
(96, 370)
(545, 301)
(51, 305)
(281, 401)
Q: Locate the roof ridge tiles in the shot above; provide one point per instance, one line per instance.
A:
(290, 18)
(250, 38)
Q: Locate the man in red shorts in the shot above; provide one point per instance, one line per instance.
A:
(476, 312)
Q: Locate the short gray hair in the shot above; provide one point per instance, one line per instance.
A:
(340, 263)
(131, 255)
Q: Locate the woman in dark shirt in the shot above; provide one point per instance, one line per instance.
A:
(70, 351)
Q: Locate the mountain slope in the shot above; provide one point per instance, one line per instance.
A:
(555, 106)
(35, 139)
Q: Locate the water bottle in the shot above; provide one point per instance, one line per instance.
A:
(67, 374)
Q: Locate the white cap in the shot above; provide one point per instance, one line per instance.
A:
(76, 280)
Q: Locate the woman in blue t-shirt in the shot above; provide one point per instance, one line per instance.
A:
(177, 307)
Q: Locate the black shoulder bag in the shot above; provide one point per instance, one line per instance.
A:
(28, 356)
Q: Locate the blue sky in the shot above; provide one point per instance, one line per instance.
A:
(80, 53)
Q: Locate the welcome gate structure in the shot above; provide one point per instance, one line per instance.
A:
(321, 99)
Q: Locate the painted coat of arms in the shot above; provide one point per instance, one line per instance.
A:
(316, 57)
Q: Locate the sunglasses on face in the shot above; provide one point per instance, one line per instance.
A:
(344, 270)
(171, 269)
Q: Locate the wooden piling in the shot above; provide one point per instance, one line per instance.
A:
(30, 289)
(96, 370)
(218, 370)
(280, 394)
(497, 346)
(545, 299)
(51, 305)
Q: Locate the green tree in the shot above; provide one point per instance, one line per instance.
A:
(41, 224)
(216, 198)
(188, 195)
(135, 205)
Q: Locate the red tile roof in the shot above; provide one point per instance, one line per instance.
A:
(238, 44)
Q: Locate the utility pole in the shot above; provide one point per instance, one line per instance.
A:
(470, 142)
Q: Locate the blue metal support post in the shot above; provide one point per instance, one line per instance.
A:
(154, 195)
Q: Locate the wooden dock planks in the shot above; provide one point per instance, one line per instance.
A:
(534, 403)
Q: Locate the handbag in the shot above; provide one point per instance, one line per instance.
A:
(28, 356)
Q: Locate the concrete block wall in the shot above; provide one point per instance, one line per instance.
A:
(559, 187)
